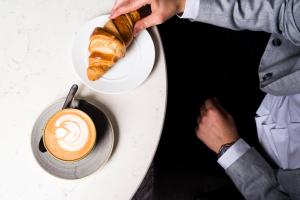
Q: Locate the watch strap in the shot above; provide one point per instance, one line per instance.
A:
(224, 148)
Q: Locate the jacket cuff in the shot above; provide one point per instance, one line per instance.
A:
(239, 148)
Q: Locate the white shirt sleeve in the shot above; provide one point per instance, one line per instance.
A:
(239, 148)
(191, 9)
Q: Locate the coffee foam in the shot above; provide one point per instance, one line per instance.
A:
(71, 132)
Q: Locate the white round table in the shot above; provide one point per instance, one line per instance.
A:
(35, 69)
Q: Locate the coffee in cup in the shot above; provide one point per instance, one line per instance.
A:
(69, 135)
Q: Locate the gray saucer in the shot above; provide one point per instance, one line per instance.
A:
(86, 166)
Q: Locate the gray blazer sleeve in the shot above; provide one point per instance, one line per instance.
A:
(273, 16)
(254, 178)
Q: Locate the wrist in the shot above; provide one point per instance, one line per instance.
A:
(224, 148)
(238, 149)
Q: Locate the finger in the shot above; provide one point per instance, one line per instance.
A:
(197, 132)
(202, 110)
(199, 120)
(217, 105)
(209, 104)
(126, 7)
(146, 22)
(213, 103)
(116, 4)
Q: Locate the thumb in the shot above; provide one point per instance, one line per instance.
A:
(146, 22)
(213, 103)
(218, 106)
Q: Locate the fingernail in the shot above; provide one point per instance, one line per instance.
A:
(112, 14)
(135, 33)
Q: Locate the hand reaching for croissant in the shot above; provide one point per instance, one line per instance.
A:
(162, 10)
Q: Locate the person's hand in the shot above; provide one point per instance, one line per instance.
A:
(215, 126)
(161, 11)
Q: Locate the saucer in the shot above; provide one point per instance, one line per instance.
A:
(80, 168)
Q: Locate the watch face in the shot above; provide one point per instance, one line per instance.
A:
(224, 148)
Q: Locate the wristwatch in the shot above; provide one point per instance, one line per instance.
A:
(224, 148)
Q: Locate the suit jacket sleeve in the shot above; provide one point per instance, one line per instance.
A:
(273, 16)
(254, 178)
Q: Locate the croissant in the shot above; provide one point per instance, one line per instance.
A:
(109, 44)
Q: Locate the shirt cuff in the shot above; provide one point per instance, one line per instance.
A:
(191, 9)
(239, 148)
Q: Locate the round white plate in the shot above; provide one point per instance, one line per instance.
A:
(127, 73)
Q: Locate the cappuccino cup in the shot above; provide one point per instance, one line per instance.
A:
(69, 134)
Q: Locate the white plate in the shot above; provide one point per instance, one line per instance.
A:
(128, 73)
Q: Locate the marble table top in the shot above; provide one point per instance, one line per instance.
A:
(35, 70)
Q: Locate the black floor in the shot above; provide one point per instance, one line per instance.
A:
(204, 61)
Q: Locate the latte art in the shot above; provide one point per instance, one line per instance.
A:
(72, 132)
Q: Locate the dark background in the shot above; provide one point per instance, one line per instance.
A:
(204, 61)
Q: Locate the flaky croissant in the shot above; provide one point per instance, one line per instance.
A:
(108, 44)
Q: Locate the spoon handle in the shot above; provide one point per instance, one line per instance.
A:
(70, 96)
(67, 103)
